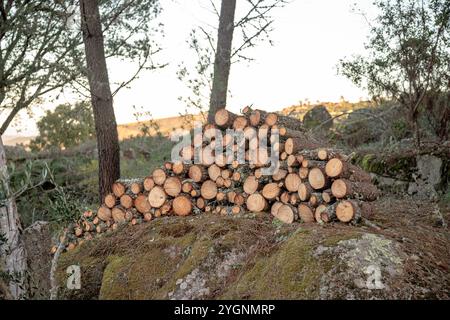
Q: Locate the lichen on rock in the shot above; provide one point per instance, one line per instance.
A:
(362, 268)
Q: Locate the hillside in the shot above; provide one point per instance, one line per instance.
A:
(167, 125)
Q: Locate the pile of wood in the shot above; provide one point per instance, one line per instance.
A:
(313, 183)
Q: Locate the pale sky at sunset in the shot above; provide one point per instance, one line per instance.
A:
(310, 37)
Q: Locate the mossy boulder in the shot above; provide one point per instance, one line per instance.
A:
(318, 116)
(241, 257)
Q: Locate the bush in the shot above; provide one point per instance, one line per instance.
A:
(65, 127)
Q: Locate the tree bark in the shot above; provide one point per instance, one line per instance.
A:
(222, 61)
(102, 102)
(13, 252)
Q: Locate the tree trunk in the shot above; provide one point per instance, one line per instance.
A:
(13, 251)
(102, 103)
(222, 60)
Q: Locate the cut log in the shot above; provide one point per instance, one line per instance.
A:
(148, 183)
(214, 172)
(271, 191)
(198, 173)
(359, 190)
(342, 169)
(200, 203)
(159, 176)
(236, 176)
(172, 186)
(271, 119)
(289, 123)
(251, 185)
(256, 203)
(294, 145)
(351, 210)
(220, 196)
(292, 182)
(318, 212)
(220, 160)
(148, 216)
(186, 187)
(289, 133)
(224, 118)
(279, 175)
(294, 199)
(306, 213)
(126, 201)
(118, 189)
(239, 199)
(182, 205)
(226, 173)
(318, 179)
(327, 196)
(236, 209)
(326, 154)
(104, 213)
(187, 153)
(230, 196)
(179, 168)
(157, 197)
(240, 123)
(136, 187)
(306, 163)
(220, 182)
(118, 215)
(227, 183)
(255, 118)
(292, 161)
(303, 173)
(208, 190)
(287, 213)
(285, 197)
(315, 199)
(168, 165)
(166, 207)
(142, 204)
(110, 200)
(329, 213)
(275, 207)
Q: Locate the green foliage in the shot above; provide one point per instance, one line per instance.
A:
(65, 127)
(46, 53)
(408, 59)
(46, 191)
(399, 129)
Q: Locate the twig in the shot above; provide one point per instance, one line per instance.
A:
(53, 283)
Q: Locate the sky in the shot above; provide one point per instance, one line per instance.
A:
(310, 36)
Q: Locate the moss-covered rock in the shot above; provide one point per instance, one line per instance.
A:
(215, 257)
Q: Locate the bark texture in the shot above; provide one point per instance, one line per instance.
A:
(222, 61)
(102, 102)
(12, 252)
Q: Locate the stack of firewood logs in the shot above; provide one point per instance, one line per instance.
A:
(311, 183)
